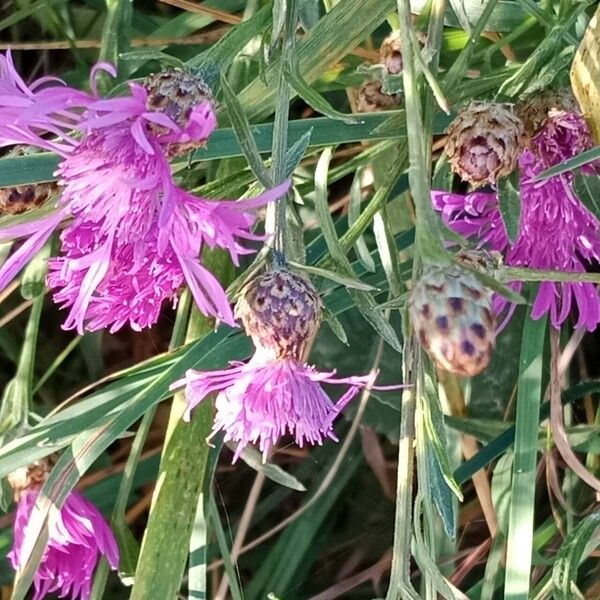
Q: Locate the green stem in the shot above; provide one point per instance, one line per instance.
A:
(280, 134)
(181, 476)
(118, 519)
(400, 574)
(428, 239)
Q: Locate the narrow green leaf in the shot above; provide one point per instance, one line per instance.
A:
(350, 282)
(253, 459)
(231, 44)
(296, 152)
(313, 98)
(29, 9)
(115, 37)
(360, 246)
(244, 136)
(521, 515)
(569, 165)
(198, 552)
(145, 55)
(436, 434)
(509, 201)
(364, 302)
(443, 497)
(572, 552)
(230, 569)
(587, 189)
(333, 36)
(335, 325)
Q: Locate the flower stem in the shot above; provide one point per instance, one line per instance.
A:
(280, 136)
(180, 479)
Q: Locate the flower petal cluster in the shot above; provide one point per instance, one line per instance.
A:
(557, 232)
(133, 237)
(275, 393)
(77, 537)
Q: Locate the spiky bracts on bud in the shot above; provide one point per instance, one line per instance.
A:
(281, 312)
(484, 142)
(534, 110)
(452, 315)
(176, 93)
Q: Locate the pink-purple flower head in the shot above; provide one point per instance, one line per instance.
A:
(275, 393)
(134, 237)
(556, 232)
(78, 536)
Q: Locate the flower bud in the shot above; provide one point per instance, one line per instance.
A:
(390, 53)
(21, 198)
(281, 312)
(34, 474)
(372, 99)
(175, 93)
(484, 143)
(452, 315)
(534, 110)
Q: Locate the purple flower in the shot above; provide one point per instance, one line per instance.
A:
(556, 231)
(134, 237)
(77, 537)
(268, 397)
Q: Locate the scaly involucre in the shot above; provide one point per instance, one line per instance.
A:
(550, 210)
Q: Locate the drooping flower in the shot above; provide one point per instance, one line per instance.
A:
(135, 237)
(275, 393)
(78, 535)
(556, 232)
(484, 142)
(452, 315)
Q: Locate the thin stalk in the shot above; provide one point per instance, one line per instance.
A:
(181, 476)
(428, 242)
(118, 518)
(276, 218)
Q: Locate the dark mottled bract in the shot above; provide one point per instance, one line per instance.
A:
(175, 93)
(21, 198)
(452, 316)
(484, 142)
(281, 311)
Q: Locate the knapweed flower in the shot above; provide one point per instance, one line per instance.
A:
(133, 237)
(78, 535)
(556, 230)
(452, 315)
(484, 142)
(275, 393)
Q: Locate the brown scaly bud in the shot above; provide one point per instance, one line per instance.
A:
(484, 143)
(281, 312)
(390, 53)
(32, 475)
(175, 93)
(21, 198)
(372, 99)
(534, 110)
(452, 315)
